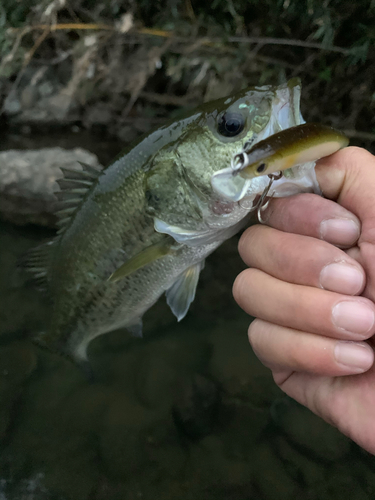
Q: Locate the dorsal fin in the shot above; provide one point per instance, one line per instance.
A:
(73, 188)
(36, 262)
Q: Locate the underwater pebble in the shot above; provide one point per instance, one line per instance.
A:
(342, 483)
(212, 469)
(242, 428)
(196, 406)
(271, 477)
(18, 360)
(134, 438)
(308, 431)
(164, 366)
(238, 370)
(301, 466)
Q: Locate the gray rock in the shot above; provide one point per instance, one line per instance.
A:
(29, 96)
(27, 182)
(46, 89)
(98, 115)
(11, 105)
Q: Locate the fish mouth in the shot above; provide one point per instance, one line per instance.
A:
(285, 114)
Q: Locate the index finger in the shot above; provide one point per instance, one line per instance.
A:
(311, 215)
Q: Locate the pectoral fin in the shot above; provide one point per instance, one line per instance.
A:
(181, 294)
(147, 256)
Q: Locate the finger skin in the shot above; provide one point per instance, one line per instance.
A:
(284, 350)
(301, 366)
(296, 259)
(304, 214)
(348, 176)
(296, 306)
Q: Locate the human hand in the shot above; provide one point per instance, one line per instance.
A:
(314, 301)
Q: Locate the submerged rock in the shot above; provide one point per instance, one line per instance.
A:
(271, 477)
(242, 427)
(27, 182)
(238, 370)
(136, 441)
(196, 407)
(309, 432)
(18, 361)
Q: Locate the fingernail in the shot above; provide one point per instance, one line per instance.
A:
(341, 277)
(339, 231)
(354, 317)
(359, 356)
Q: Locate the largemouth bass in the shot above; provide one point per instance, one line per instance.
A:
(145, 224)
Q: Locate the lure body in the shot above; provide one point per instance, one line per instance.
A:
(294, 146)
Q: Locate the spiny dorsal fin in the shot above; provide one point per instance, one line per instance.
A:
(36, 262)
(73, 188)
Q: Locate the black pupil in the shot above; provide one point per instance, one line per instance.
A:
(261, 168)
(231, 124)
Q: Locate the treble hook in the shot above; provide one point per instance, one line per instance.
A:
(261, 205)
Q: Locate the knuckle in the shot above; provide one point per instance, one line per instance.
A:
(241, 286)
(354, 155)
(253, 334)
(247, 238)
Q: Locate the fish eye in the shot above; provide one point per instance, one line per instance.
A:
(261, 168)
(230, 124)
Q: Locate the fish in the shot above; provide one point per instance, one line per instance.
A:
(144, 225)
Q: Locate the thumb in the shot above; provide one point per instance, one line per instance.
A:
(348, 177)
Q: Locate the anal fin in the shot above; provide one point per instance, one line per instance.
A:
(181, 294)
(136, 328)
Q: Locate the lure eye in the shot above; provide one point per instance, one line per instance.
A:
(261, 168)
(230, 124)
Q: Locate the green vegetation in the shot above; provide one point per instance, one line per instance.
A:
(164, 55)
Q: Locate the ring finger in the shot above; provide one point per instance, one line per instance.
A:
(304, 308)
(285, 350)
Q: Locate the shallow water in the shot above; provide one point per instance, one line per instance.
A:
(185, 413)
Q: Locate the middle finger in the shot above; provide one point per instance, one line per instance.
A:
(303, 307)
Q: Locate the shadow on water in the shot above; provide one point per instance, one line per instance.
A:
(185, 413)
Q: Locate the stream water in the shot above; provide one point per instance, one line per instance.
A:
(185, 413)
